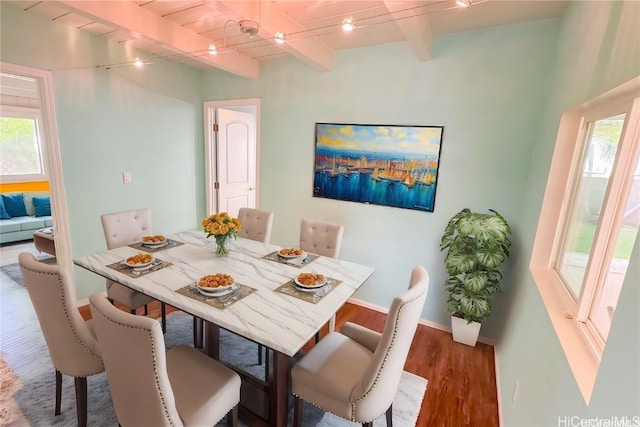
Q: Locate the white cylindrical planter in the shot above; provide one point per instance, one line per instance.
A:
(463, 332)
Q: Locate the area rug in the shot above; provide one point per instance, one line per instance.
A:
(25, 352)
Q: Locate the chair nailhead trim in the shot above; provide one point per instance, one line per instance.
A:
(155, 364)
(66, 313)
(375, 381)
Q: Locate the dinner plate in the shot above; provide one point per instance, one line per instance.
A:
(155, 245)
(217, 292)
(146, 267)
(305, 287)
(140, 266)
(151, 242)
(303, 254)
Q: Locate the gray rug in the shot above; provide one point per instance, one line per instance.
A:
(20, 331)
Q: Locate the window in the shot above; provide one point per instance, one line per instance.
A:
(21, 157)
(20, 145)
(588, 224)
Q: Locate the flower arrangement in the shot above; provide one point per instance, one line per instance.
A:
(222, 226)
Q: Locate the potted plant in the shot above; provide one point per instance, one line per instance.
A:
(476, 245)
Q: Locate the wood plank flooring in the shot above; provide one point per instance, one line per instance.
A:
(462, 384)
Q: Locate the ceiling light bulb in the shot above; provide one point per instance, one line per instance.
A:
(347, 24)
(212, 49)
(138, 62)
(463, 3)
(280, 37)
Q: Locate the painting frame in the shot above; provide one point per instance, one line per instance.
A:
(387, 165)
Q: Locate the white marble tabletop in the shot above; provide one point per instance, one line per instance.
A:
(281, 322)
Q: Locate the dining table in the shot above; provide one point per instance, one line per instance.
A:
(266, 304)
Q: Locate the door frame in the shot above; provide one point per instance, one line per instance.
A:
(210, 108)
(52, 160)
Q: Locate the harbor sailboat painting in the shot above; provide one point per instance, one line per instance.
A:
(388, 165)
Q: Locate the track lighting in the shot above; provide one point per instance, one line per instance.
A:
(347, 24)
(279, 37)
(138, 62)
(463, 3)
(212, 49)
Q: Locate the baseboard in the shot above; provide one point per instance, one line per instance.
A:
(499, 394)
(425, 322)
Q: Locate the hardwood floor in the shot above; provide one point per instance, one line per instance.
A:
(462, 385)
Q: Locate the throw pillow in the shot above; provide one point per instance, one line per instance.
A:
(3, 210)
(14, 204)
(42, 206)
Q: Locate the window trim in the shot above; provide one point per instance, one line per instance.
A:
(29, 113)
(582, 354)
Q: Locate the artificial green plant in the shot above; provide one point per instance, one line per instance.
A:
(476, 245)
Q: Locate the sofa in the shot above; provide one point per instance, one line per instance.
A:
(20, 216)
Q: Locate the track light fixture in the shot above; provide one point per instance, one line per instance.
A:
(348, 24)
(279, 37)
(212, 49)
(463, 3)
(138, 62)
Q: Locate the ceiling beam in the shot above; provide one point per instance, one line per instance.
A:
(128, 16)
(271, 20)
(416, 29)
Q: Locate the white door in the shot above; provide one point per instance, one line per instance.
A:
(236, 160)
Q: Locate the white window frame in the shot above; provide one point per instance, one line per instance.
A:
(36, 115)
(581, 344)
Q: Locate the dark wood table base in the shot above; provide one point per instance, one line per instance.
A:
(262, 403)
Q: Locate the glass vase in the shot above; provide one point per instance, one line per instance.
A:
(222, 245)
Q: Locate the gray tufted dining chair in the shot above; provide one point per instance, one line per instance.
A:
(355, 374)
(72, 345)
(321, 238)
(151, 387)
(121, 229)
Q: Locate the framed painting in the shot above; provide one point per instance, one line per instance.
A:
(389, 165)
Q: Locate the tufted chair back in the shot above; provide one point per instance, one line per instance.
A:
(140, 387)
(73, 348)
(321, 238)
(256, 224)
(72, 345)
(125, 228)
(380, 381)
(355, 373)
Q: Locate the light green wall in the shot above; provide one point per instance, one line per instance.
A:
(598, 49)
(147, 121)
(499, 93)
(486, 87)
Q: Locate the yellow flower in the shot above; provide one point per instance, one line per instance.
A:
(221, 225)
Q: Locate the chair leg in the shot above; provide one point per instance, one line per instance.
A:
(390, 416)
(163, 313)
(232, 418)
(317, 337)
(146, 310)
(58, 391)
(259, 354)
(133, 311)
(81, 400)
(297, 411)
(369, 424)
(267, 365)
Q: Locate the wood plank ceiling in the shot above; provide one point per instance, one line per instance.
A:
(182, 31)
